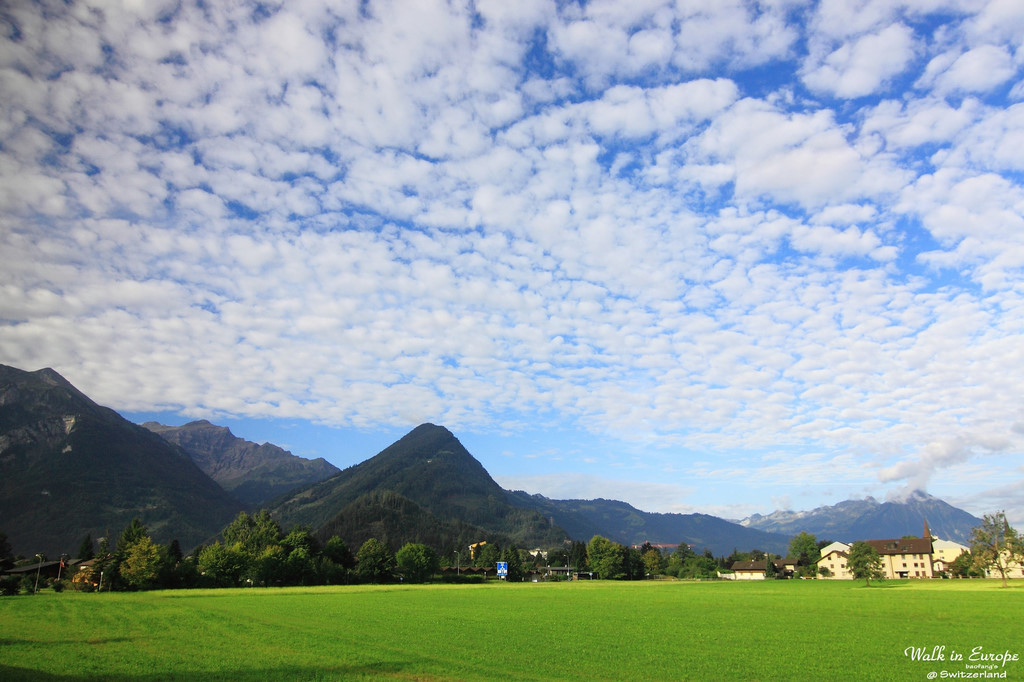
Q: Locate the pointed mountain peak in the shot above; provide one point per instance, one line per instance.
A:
(51, 376)
(427, 441)
(42, 386)
(204, 425)
(432, 430)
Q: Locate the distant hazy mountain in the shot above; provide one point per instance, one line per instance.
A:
(870, 519)
(69, 467)
(625, 524)
(251, 472)
(430, 468)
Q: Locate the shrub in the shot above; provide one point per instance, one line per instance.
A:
(9, 585)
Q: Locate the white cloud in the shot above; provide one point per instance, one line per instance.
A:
(977, 70)
(803, 158)
(863, 66)
(938, 454)
(920, 122)
(626, 218)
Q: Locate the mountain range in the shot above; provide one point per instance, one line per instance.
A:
(251, 472)
(70, 467)
(852, 520)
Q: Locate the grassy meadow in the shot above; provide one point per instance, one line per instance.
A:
(661, 630)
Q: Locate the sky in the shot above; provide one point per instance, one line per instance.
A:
(709, 256)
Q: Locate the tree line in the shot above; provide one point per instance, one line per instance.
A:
(255, 551)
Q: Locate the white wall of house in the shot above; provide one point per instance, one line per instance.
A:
(835, 562)
(944, 553)
(835, 547)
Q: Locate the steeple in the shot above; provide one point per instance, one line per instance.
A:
(927, 533)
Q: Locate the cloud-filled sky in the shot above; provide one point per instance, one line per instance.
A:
(702, 255)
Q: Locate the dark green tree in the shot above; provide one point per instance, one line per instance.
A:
(86, 550)
(175, 572)
(222, 566)
(374, 562)
(633, 564)
(962, 566)
(682, 552)
(174, 551)
(134, 532)
(488, 556)
(299, 567)
(578, 556)
(301, 537)
(141, 565)
(654, 562)
(270, 567)
(253, 533)
(511, 556)
(131, 534)
(6, 552)
(864, 562)
(338, 552)
(804, 548)
(102, 565)
(606, 558)
(417, 562)
(677, 561)
(699, 566)
(558, 556)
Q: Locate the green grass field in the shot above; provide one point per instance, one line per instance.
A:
(774, 630)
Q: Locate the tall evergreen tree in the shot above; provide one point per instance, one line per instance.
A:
(86, 550)
(578, 556)
(141, 564)
(6, 552)
(511, 557)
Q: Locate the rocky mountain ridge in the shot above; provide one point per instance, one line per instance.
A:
(852, 520)
(254, 473)
(70, 467)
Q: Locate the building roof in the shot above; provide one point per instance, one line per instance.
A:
(902, 546)
(760, 565)
(32, 568)
(748, 565)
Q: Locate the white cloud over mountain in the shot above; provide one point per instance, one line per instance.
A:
(726, 233)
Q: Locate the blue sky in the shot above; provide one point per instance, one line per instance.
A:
(723, 257)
